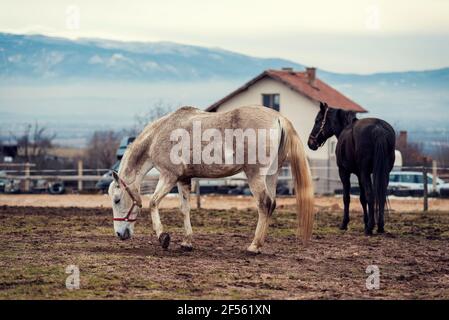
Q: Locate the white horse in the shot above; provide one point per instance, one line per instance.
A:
(159, 146)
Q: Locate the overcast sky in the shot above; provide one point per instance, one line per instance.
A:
(360, 36)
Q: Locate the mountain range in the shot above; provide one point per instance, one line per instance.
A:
(46, 58)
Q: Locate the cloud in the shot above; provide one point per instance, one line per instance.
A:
(96, 59)
(117, 58)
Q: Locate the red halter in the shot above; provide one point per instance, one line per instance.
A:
(135, 203)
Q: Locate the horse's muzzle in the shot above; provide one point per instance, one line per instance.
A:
(125, 235)
(313, 144)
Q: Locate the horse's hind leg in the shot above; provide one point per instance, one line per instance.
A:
(184, 195)
(381, 222)
(165, 184)
(363, 202)
(262, 189)
(368, 187)
(345, 178)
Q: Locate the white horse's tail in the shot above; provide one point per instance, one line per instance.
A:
(303, 181)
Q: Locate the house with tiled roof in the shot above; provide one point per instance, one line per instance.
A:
(296, 95)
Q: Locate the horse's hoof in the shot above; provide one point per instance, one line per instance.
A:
(186, 247)
(252, 250)
(253, 253)
(343, 227)
(380, 231)
(368, 232)
(164, 240)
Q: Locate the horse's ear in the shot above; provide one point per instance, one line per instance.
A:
(115, 176)
(322, 106)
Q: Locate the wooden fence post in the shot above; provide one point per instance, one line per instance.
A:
(27, 177)
(80, 175)
(425, 190)
(434, 177)
(198, 194)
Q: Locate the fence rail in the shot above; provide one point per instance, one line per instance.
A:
(24, 173)
(55, 177)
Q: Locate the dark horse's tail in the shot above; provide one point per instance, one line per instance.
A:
(384, 145)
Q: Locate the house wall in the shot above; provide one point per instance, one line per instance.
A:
(301, 111)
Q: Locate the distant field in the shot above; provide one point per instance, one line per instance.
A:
(39, 242)
(209, 201)
(67, 152)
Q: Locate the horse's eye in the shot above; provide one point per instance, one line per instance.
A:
(116, 201)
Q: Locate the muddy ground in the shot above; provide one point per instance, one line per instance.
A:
(37, 244)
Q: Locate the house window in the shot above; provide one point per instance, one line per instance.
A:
(271, 101)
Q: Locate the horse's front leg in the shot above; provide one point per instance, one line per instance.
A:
(164, 185)
(345, 178)
(184, 195)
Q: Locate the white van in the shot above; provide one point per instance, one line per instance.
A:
(411, 183)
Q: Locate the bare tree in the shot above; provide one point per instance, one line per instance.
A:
(442, 155)
(157, 110)
(412, 152)
(34, 144)
(101, 150)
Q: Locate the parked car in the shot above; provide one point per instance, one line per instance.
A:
(444, 190)
(8, 185)
(411, 183)
(56, 187)
(2, 181)
(124, 143)
(106, 179)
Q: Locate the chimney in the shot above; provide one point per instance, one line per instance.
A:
(402, 139)
(311, 74)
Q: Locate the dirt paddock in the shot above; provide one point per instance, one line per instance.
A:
(39, 242)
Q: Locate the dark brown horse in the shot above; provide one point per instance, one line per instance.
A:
(365, 147)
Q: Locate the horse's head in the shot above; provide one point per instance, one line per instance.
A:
(328, 122)
(126, 205)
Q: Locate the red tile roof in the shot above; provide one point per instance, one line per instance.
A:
(298, 81)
